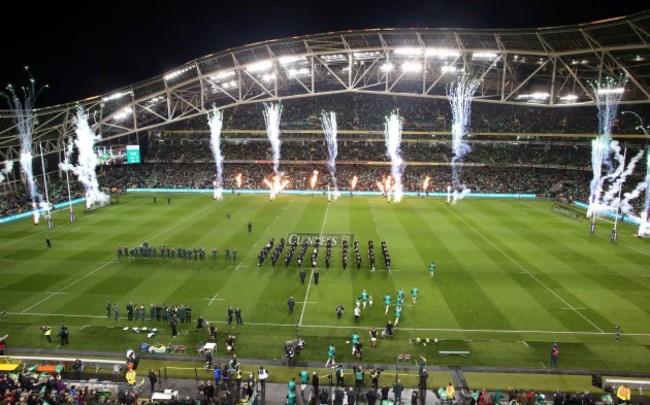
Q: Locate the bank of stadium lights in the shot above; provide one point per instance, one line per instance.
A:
(231, 84)
(482, 55)
(290, 60)
(176, 73)
(223, 75)
(411, 67)
(386, 67)
(268, 77)
(337, 57)
(365, 55)
(293, 72)
(569, 98)
(408, 51)
(116, 96)
(450, 69)
(123, 114)
(260, 66)
(153, 101)
(439, 53)
(534, 97)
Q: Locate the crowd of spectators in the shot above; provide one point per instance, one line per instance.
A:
(37, 389)
(480, 179)
(367, 112)
(549, 148)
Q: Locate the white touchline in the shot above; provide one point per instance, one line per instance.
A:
(293, 325)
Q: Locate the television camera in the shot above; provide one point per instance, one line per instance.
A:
(291, 349)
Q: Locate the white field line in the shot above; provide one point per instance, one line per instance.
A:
(526, 270)
(351, 327)
(302, 313)
(214, 298)
(311, 274)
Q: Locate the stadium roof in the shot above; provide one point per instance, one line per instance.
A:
(550, 67)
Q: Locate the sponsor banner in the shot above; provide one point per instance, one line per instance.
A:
(337, 238)
(568, 212)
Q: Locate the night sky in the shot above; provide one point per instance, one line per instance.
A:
(82, 49)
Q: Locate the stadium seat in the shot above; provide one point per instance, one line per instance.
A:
(407, 358)
(400, 358)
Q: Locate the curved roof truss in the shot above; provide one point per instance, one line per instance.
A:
(549, 67)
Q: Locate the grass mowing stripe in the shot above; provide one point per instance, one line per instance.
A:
(594, 275)
(526, 270)
(262, 293)
(68, 286)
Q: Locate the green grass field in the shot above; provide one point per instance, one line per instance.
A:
(512, 277)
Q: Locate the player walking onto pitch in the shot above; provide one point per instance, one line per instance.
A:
(331, 351)
(414, 294)
(387, 300)
(398, 314)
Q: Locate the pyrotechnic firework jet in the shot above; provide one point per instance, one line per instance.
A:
(8, 167)
(608, 93)
(612, 197)
(643, 223)
(87, 162)
(647, 182)
(272, 113)
(24, 118)
(599, 147)
(215, 120)
(460, 97)
(644, 184)
(425, 185)
(66, 166)
(393, 138)
(328, 120)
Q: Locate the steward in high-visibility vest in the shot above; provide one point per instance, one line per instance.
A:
(131, 377)
(450, 391)
(623, 394)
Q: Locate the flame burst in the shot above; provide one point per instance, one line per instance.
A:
(276, 185)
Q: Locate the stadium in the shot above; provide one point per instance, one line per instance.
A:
(475, 151)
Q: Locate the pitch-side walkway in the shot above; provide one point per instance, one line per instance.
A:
(276, 392)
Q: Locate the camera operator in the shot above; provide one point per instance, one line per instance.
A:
(63, 333)
(46, 330)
